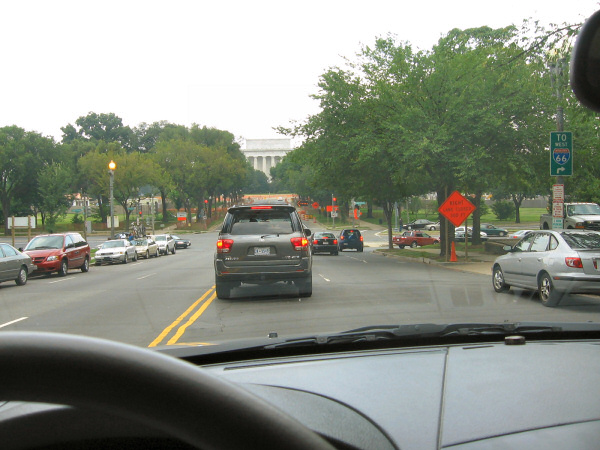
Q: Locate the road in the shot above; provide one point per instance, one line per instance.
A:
(170, 300)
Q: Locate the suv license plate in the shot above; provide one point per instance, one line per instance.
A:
(261, 251)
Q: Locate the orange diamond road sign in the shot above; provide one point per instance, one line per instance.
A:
(456, 208)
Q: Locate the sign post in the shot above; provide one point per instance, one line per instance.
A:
(456, 208)
(561, 165)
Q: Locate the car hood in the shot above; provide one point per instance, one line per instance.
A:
(463, 395)
(588, 217)
(111, 250)
(43, 253)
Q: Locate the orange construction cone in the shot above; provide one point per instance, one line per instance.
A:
(453, 253)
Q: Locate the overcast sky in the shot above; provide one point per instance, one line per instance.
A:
(242, 66)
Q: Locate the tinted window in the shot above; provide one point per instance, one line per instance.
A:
(261, 221)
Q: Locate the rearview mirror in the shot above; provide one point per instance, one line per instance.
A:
(585, 63)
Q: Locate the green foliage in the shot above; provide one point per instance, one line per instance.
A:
(503, 210)
(77, 219)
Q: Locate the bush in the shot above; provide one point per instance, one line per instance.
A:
(76, 219)
(503, 210)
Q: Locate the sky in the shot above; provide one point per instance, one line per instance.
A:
(241, 66)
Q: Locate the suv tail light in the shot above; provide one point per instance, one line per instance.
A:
(316, 242)
(574, 262)
(299, 243)
(224, 245)
(361, 238)
(335, 241)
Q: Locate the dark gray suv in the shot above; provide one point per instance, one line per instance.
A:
(263, 244)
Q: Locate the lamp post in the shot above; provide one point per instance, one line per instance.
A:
(111, 172)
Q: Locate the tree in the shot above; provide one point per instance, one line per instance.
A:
(99, 127)
(54, 189)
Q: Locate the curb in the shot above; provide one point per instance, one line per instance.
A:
(458, 266)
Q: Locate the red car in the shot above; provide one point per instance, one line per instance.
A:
(59, 253)
(414, 239)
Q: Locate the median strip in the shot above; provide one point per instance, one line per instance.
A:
(177, 321)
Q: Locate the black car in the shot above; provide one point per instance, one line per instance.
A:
(181, 243)
(324, 242)
(420, 224)
(350, 238)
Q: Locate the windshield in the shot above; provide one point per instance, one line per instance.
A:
(583, 209)
(113, 244)
(45, 243)
(325, 166)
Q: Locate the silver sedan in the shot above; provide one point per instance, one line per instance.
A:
(554, 263)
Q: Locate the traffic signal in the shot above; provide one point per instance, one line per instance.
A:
(334, 199)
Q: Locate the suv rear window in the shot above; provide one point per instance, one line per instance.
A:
(271, 221)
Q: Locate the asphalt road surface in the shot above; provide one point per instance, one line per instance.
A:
(171, 300)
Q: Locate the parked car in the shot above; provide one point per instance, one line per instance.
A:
(59, 253)
(116, 251)
(166, 243)
(181, 242)
(493, 230)
(324, 242)
(263, 244)
(14, 265)
(414, 239)
(434, 226)
(146, 247)
(350, 238)
(554, 263)
(519, 234)
(459, 234)
(419, 224)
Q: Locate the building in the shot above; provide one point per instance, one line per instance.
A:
(266, 153)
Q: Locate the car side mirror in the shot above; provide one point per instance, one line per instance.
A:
(507, 248)
(307, 232)
(21, 249)
(585, 63)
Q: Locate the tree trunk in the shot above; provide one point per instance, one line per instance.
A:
(387, 212)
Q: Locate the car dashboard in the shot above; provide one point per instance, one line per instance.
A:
(539, 394)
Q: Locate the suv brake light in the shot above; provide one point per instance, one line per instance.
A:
(224, 245)
(299, 243)
(261, 207)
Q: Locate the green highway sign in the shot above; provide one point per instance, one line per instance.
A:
(561, 153)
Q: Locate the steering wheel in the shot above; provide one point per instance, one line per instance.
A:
(150, 388)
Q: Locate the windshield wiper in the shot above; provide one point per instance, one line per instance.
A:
(423, 331)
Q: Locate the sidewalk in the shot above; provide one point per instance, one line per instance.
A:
(477, 262)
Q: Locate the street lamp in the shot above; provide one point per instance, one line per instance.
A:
(111, 171)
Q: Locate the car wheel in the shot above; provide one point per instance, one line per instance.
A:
(85, 267)
(97, 263)
(304, 287)
(134, 256)
(22, 277)
(157, 254)
(413, 244)
(64, 268)
(503, 233)
(400, 246)
(97, 375)
(223, 289)
(147, 254)
(498, 280)
(174, 249)
(125, 258)
(548, 295)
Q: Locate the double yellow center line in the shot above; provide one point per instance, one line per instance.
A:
(190, 320)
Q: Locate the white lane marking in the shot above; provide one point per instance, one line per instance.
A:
(357, 259)
(13, 321)
(61, 280)
(146, 276)
(326, 279)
